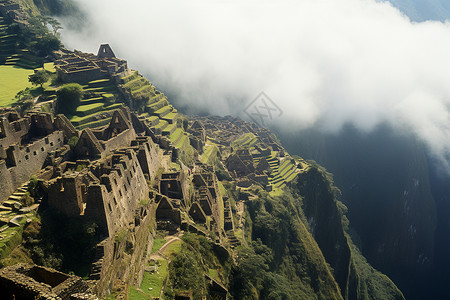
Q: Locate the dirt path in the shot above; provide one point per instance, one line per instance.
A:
(171, 239)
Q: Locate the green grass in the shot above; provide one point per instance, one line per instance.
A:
(213, 274)
(129, 77)
(245, 141)
(157, 105)
(162, 110)
(169, 129)
(171, 116)
(95, 124)
(175, 136)
(152, 119)
(80, 120)
(209, 154)
(182, 141)
(150, 280)
(89, 108)
(136, 84)
(12, 81)
(157, 244)
(173, 248)
(50, 67)
(161, 124)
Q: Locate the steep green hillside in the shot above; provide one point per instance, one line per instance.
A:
(328, 223)
(384, 180)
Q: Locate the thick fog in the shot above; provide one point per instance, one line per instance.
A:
(324, 63)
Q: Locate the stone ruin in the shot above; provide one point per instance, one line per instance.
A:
(30, 282)
(197, 137)
(95, 143)
(12, 10)
(83, 67)
(27, 144)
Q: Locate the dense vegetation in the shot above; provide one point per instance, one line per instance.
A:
(69, 98)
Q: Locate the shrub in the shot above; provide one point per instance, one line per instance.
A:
(69, 97)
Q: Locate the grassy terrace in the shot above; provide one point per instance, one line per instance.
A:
(15, 65)
(100, 96)
(152, 107)
(12, 80)
(163, 111)
(245, 141)
(176, 135)
(209, 154)
(152, 282)
(169, 129)
(161, 125)
(84, 119)
(280, 173)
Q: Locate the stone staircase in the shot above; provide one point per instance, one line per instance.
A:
(234, 242)
(228, 215)
(96, 267)
(16, 197)
(203, 198)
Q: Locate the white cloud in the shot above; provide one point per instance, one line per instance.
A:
(324, 62)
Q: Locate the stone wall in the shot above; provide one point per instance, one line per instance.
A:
(12, 131)
(149, 156)
(30, 282)
(117, 195)
(67, 193)
(22, 162)
(123, 139)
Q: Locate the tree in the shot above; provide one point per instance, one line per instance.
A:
(69, 97)
(24, 100)
(39, 77)
(37, 36)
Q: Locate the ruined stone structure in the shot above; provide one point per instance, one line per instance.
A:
(83, 67)
(95, 143)
(168, 210)
(174, 185)
(106, 192)
(30, 282)
(25, 144)
(241, 163)
(223, 131)
(12, 10)
(198, 135)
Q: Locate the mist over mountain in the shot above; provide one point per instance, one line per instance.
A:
(362, 86)
(324, 63)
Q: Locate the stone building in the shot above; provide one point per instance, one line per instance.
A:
(83, 67)
(96, 143)
(30, 282)
(25, 144)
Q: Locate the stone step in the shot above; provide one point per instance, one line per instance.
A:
(5, 208)
(19, 193)
(23, 189)
(11, 203)
(15, 198)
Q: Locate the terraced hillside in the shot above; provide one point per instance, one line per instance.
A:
(282, 170)
(156, 109)
(97, 106)
(7, 40)
(15, 64)
(245, 141)
(9, 53)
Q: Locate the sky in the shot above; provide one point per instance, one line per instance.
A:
(321, 63)
(423, 10)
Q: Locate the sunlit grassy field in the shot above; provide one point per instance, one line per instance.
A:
(12, 80)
